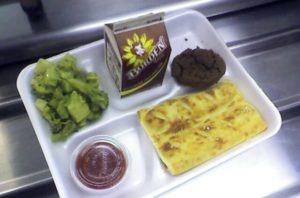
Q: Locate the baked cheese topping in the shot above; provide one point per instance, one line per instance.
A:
(189, 130)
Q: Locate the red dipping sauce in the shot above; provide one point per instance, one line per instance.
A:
(100, 164)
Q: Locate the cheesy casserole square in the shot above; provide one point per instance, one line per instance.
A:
(187, 131)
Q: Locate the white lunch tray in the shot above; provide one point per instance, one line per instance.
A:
(146, 175)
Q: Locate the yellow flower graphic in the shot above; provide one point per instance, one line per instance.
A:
(137, 49)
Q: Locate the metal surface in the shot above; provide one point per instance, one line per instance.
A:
(66, 24)
(266, 39)
(20, 154)
(267, 42)
(276, 74)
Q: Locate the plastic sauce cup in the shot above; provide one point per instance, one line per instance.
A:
(99, 164)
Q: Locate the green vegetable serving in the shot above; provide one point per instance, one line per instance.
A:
(67, 98)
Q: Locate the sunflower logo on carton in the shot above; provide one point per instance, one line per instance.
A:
(137, 49)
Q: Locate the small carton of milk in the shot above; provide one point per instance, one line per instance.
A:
(137, 52)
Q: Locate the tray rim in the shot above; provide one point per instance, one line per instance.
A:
(43, 142)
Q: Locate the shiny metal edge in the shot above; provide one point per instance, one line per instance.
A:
(25, 182)
(85, 33)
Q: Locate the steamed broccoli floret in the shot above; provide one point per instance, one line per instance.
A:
(67, 99)
(41, 66)
(46, 111)
(92, 79)
(51, 76)
(78, 107)
(66, 87)
(68, 128)
(40, 88)
(62, 109)
(79, 85)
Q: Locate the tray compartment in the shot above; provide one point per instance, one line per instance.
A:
(147, 176)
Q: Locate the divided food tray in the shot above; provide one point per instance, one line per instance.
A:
(146, 175)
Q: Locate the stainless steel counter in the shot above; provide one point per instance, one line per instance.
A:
(265, 38)
(66, 24)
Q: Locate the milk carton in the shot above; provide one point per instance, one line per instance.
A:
(137, 52)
